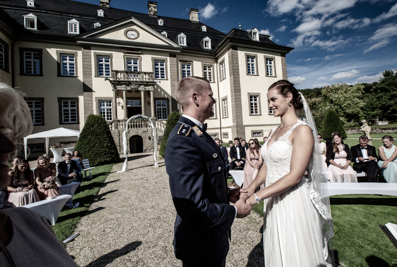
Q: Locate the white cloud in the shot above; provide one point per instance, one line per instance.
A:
(344, 75)
(281, 28)
(382, 37)
(318, 85)
(369, 79)
(391, 13)
(225, 9)
(279, 7)
(351, 23)
(309, 26)
(330, 45)
(297, 79)
(377, 46)
(322, 78)
(330, 6)
(208, 11)
(266, 32)
(333, 56)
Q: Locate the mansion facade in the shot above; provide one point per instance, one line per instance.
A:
(73, 59)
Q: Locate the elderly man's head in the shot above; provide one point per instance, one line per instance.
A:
(195, 94)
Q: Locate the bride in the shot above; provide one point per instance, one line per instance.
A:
(297, 223)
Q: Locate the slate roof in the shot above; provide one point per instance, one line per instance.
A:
(52, 16)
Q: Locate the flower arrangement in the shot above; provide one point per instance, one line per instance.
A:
(48, 182)
(56, 145)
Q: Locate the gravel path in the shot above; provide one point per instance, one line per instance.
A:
(131, 223)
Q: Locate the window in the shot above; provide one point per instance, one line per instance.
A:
(161, 109)
(254, 104)
(100, 13)
(30, 21)
(30, 3)
(69, 110)
(206, 43)
(255, 34)
(182, 39)
(222, 70)
(159, 69)
(31, 63)
(225, 135)
(160, 22)
(207, 70)
(270, 67)
(251, 65)
(97, 25)
(164, 34)
(271, 111)
(225, 108)
(133, 103)
(186, 69)
(132, 64)
(204, 28)
(103, 66)
(36, 110)
(105, 109)
(68, 65)
(73, 26)
(257, 133)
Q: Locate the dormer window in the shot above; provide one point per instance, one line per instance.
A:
(204, 28)
(100, 13)
(206, 43)
(255, 34)
(97, 25)
(182, 39)
(73, 26)
(161, 22)
(30, 21)
(30, 3)
(165, 34)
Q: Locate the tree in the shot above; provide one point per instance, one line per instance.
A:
(386, 94)
(346, 100)
(332, 123)
(172, 121)
(96, 142)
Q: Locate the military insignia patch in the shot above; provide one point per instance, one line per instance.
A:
(184, 129)
(197, 131)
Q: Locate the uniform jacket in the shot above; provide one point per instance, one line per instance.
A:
(233, 153)
(196, 172)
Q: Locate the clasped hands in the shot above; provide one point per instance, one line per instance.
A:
(240, 199)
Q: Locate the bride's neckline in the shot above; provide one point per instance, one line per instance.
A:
(269, 146)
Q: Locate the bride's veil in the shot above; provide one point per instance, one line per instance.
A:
(318, 187)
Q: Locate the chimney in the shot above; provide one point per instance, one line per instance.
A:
(193, 14)
(152, 7)
(104, 3)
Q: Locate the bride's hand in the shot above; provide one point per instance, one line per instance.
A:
(244, 194)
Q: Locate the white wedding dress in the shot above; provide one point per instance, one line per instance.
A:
(292, 228)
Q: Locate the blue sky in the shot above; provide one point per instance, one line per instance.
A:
(335, 41)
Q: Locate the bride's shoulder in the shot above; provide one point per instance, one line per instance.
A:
(303, 130)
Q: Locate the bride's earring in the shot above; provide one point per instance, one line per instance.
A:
(289, 104)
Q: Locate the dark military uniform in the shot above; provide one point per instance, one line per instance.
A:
(196, 172)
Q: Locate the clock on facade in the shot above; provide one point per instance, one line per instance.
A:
(131, 34)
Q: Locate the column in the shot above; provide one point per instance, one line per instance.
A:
(143, 101)
(152, 103)
(125, 104)
(114, 104)
(170, 105)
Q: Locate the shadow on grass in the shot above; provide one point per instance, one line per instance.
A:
(77, 214)
(94, 184)
(111, 256)
(374, 261)
(89, 199)
(256, 257)
(364, 201)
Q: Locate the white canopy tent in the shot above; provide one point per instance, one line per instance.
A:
(54, 133)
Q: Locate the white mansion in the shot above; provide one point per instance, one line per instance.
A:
(72, 59)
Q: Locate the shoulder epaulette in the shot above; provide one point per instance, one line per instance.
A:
(197, 131)
(184, 129)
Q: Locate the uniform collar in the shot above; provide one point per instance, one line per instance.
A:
(198, 123)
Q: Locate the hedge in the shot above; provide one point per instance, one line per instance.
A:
(172, 121)
(332, 124)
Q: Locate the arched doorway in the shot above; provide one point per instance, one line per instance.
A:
(136, 144)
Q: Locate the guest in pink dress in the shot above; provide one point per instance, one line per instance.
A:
(42, 172)
(339, 158)
(20, 189)
(253, 164)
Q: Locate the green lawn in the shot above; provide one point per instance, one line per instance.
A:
(358, 239)
(68, 218)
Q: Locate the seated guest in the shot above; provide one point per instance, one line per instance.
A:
(339, 158)
(237, 155)
(253, 163)
(78, 158)
(20, 189)
(53, 166)
(228, 150)
(223, 151)
(45, 179)
(14, 164)
(68, 169)
(365, 159)
(244, 145)
(388, 164)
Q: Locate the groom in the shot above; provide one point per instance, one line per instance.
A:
(197, 179)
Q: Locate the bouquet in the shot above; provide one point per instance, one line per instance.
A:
(48, 182)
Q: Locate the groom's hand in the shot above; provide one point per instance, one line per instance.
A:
(243, 209)
(234, 194)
